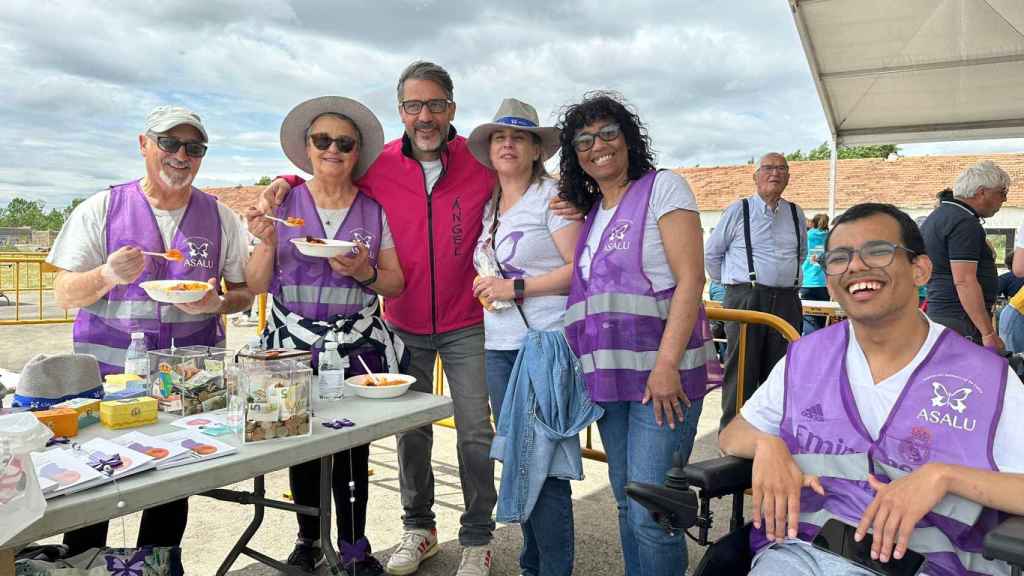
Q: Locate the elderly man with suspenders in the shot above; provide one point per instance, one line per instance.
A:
(756, 250)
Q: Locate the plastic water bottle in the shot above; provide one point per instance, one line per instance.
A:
(332, 373)
(136, 361)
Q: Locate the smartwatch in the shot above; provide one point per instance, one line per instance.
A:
(519, 288)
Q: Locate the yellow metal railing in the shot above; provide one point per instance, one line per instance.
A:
(22, 276)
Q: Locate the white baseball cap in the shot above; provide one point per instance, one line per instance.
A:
(164, 118)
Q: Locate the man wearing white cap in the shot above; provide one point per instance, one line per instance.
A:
(102, 256)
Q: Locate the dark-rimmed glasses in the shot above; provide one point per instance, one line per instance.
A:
(344, 143)
(171, 146)
(435, 106)
(874, 254)
(585, 140)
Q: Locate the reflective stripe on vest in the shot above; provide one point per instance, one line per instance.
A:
(104, 354)
(642, 361)
(354, 296)
(123, 309)
(854, 467)
(612, 302)
(172, 315)
(923, 541)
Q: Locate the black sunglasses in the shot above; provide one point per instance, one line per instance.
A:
(585, 140)
(171, 146)
(345, 144)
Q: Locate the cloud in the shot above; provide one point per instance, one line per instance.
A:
(715, 84)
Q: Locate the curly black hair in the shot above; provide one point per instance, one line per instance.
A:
(575, 185)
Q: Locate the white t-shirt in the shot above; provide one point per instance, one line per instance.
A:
(332, 220)
(432, 170)
(875, 401)
(670, 192)
(525, 248)
(1018, 239)
(81, 244)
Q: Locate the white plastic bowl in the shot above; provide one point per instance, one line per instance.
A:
(159, 290)
(357, 385)
(329, 249)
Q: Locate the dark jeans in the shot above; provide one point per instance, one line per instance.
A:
(812, 323)
(350, 517)
(765, 346)
(549, 533)
(162, 525)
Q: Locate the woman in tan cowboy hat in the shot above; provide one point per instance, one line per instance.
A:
(321, 300)
(531, 250)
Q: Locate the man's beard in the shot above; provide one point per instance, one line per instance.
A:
(175, 181)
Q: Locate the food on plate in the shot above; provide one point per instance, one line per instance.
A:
(189, 287)
(312, 240)
(381, 381)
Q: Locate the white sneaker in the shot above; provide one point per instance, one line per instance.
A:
(417, 545)
(476, 561)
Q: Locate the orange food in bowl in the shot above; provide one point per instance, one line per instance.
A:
(312, 240)
(189, 287)
(367, 381)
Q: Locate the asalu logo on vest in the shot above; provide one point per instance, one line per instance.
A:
(617, 236)
(362, 236)
(948, 404)
(198, 253)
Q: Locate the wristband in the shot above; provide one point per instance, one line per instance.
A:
(371, 280)
(519, 288)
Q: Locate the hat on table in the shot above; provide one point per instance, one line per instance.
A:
(51, 379)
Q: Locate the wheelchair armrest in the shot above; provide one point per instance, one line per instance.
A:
(719, 477)
(1006, 542)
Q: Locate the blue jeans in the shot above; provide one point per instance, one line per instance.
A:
(548, 534)
(641, 451)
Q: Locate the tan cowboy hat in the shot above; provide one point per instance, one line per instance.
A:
(518, 115)
(297, 122)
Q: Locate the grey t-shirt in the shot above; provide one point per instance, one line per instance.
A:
(525, 248)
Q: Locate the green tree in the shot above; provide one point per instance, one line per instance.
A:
(264, 181)
(845, 152)
(33, 213)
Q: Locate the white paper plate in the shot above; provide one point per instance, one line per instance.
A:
(159, 290)
(329, 249)
(356, 384)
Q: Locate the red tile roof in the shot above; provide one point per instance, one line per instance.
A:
(237, 198)
(908, 182)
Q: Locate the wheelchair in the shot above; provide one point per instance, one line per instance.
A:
(684, 502)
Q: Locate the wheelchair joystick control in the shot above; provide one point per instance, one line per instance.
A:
(673, 505)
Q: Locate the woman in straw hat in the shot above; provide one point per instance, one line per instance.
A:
(635, 317)
(319, 300)
(529, 250)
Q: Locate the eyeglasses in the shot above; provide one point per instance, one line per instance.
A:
(874, 254)
(344, 143)
(171, 146)
(585, 140)
(436, 106)
(775, 168)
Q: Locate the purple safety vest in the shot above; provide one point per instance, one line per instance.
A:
(614, 321)
(104, 328)
(307, 285)
(947, 412)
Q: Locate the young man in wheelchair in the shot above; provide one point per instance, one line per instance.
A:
(888, 422)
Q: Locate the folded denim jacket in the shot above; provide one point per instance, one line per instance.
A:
(546, 406)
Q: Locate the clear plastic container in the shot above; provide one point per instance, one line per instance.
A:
(188, 380)
(272, 399)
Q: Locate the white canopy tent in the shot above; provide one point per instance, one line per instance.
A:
(900, 71)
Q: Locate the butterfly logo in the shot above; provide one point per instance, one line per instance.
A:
(198, 247)
(619, 232)
(955, 400)
(362, 237)
(133, 566)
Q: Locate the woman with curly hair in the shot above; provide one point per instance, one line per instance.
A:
(634, 315)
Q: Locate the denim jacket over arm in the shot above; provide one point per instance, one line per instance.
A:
(546, 406)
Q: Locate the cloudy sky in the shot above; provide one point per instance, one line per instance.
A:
(717, 82)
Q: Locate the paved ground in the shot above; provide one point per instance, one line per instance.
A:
(214, 526)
